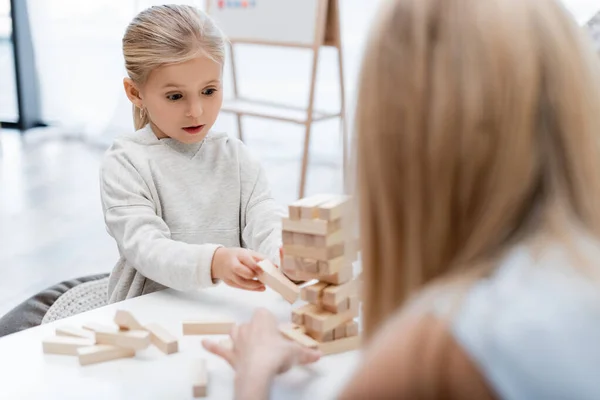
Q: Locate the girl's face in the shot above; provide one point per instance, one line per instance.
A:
(183, 100)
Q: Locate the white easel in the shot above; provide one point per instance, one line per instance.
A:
(316, 24)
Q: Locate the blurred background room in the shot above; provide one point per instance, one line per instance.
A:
(62, 103)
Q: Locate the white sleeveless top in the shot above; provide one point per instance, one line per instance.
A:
(533, 328)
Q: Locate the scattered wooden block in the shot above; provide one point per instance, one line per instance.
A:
(351, 328)
(162, 339)
(125, 320)
(136, 340)
(96, 327)
(317, 253)
(207, 327)
(334, 294)
(324, 321)
(311, 227)
(299, 337)
(200, 378)
(340, 346)
(72, 331)
(102, 353)
(335, 208)
(65, 345)
(272, 277)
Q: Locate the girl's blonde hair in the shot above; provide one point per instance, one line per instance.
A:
(477, 126)
(168, 34)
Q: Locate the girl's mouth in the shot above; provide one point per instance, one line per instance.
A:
(193, 130)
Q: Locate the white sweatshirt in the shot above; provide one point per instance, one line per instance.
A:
(170, 205)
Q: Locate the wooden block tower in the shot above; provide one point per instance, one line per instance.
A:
(316, 247)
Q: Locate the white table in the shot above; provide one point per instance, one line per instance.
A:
(27, 373)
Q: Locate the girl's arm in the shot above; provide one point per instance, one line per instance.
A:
(260, 214)
(142, 236)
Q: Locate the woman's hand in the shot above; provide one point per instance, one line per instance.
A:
(259, 346)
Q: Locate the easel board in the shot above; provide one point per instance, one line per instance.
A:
(284, 22)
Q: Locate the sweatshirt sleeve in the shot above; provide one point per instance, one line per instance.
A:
(261, 215)
(144, 238)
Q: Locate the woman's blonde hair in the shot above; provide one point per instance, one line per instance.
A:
(168, 34)
(477, 126)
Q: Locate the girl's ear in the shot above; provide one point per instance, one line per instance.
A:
(132, 92)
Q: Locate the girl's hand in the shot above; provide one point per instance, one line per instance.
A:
(259, 346)
(237, 268)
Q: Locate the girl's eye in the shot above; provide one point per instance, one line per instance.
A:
(174, 97)
(209, 92)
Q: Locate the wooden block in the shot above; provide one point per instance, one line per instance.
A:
(136, 340)
(340, 346)
(327, 240)
(299, 337)
(311, 227)
(288, 237)
(65, 345)
(343, 276)
(335, 208)
(354, 302)
(340, 332)
(207, 327)
(324, 321)
(298, 238)
(351, 328)
(295, 207)
(333, 266)
(96, 327)
(299, 264)
(200, 378)
(272, 277)
(309, 207)
(341, 307)
(308, 240)
(298, 314)
(101, 353)
(317, 253)
(125, 320)
(162, 339)
(73, 331)
(313, 293)
(320, 336)
(334, 294)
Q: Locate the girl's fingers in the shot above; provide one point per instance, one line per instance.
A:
(248, 284)
(244, 270)
(221, 351)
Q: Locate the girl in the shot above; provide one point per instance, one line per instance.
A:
(182, 202)
(478, 164)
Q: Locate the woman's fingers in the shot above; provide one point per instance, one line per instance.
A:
(221, 351)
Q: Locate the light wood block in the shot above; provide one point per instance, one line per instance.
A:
(324, 321)
(317, 253)
(335, 208)
(309, 208)
(102, 353)
(299, 239)
(336, 237)
(320, 336)
(207, 327)
(299, 337)
(125, 320)
(351, 328)
(333, 266)
(343, 276)
(294, 209)
(310, 226)
(73, 331)
(298, 313)
(97, 327)
(162, 339)
(136, 340)
(340, 332)
(65, 345)
(272, 277)
(340, 346)
(334, 294)
(200, 378)
(287, 237)
(313, 293)
(341, 307)
(299, 264)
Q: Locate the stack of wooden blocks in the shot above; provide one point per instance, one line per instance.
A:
(316, 247)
